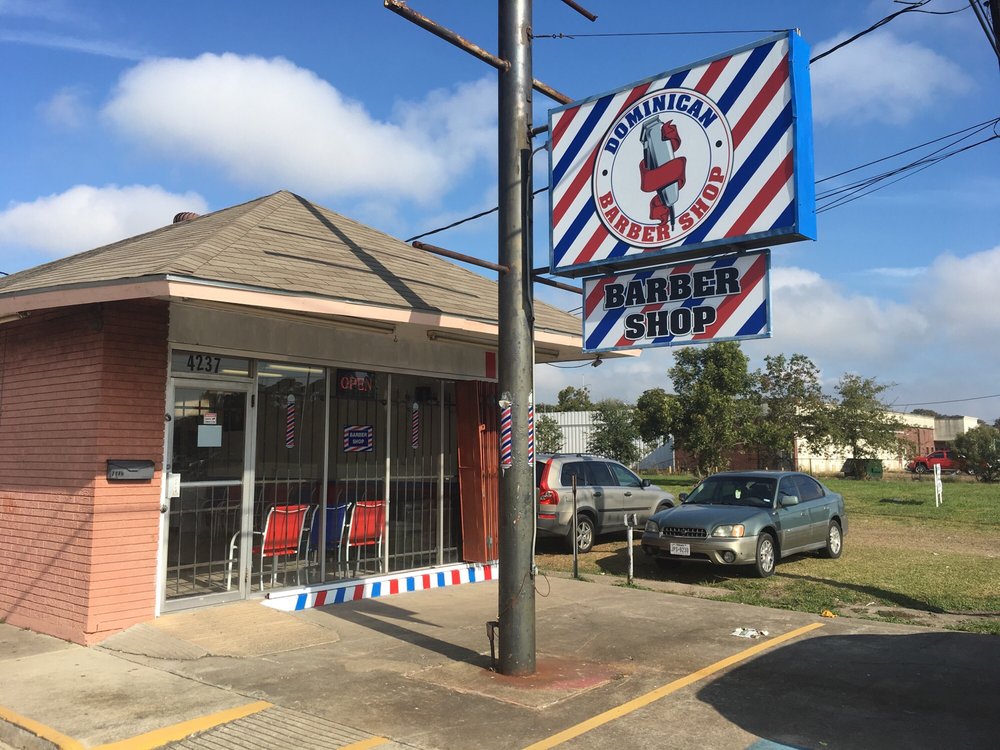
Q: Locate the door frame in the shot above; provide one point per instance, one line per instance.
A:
(246, 386)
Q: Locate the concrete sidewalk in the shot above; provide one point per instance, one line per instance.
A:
(616, 666)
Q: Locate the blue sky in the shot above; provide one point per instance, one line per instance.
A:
(117, 115)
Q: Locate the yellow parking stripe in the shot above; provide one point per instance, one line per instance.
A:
(660, 692)
(175, 732)
(58, 739)
(366, 744)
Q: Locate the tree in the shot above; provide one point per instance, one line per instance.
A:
(981, 448)
(861, 422)
(574, 399)
(652, 415)
(714, 409)
(615, 433)
(792, 407)
(548, 435)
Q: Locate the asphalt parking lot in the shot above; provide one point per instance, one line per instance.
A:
(616, 667)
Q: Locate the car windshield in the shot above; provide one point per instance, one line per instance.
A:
(734, 490)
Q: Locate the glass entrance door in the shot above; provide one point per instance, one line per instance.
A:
(207, 517)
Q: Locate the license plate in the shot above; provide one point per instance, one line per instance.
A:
(680, 549)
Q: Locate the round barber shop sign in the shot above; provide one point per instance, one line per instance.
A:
(662, 167)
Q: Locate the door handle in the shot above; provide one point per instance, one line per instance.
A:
(628, 494)
(598, 493)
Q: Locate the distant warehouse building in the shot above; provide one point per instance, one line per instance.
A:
(577, 428)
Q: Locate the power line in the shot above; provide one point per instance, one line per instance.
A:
(860, 185)
(911, 169)
(659, 33)
(876, 178)
(978, 125)
(911, 8)
(480, 215)
(952, 400)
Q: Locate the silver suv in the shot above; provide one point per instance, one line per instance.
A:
(605, 492)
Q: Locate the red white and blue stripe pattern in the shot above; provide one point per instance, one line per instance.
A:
(506, 437)
(769, 197)
(341, 592)
(743, 315)
(531, 433)
(359, 438)
(290, 423)
(415, 426)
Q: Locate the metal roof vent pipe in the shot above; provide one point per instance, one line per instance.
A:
(185, 216)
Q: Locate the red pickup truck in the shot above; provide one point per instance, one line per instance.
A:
(948, 460)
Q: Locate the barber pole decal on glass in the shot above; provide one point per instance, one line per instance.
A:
(718, 153)
(415, 425)
(723, 299)
(506, 435)
(290, 423)
(531, 431)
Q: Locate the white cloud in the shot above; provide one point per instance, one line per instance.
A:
(812, 315)
(271, 124)
(960, 296)
(65, 110)
(100, 47)
(879, 78)
(48, 10)
(84, 217)
(908, 272)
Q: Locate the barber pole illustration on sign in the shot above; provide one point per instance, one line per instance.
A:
(711, 158)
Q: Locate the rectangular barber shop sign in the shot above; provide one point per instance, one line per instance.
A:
(723, 299)
(712, 157)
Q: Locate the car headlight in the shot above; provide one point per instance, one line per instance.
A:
(731, 530)
(652, 526)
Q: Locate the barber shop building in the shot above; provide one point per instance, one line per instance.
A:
(268, 402)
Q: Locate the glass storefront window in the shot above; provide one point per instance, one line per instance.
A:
(288, 465)
(358, 469)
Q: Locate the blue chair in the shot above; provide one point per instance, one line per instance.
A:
(337, 519)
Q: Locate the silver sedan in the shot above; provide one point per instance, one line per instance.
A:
(749, 518)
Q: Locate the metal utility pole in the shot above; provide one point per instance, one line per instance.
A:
(517, 483)
(516, 317)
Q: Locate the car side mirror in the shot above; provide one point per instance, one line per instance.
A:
(787, 500)
(683, 496)
(646, 483)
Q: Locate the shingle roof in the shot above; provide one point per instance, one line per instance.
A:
(285, 244)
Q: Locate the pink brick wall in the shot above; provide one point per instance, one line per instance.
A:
(79, 386)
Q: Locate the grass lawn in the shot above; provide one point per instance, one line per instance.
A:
(904, 560)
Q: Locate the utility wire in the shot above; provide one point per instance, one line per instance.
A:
(987, 123)
(951, 401)
(911, 8)
(658, 33)
(867, 182)
(875, 178)
(480, 215)
(910, 170)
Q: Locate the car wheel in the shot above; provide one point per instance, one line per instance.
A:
(834, 541)
(584, 534)
(766, 556)
(920, 469)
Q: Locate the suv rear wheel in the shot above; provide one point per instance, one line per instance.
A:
(585, 533)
